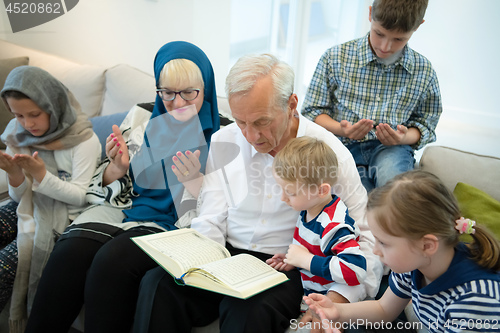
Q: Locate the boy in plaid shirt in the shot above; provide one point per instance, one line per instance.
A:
(378, 95)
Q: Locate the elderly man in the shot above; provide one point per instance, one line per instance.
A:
(241, 208)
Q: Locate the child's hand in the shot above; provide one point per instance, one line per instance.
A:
(8, 165)
(389, 137)
(277, 262)
(310, 318)
(117, 151)
(356, 131)
(299, 256)
(322, 307)
(187, 166)
(33, 165)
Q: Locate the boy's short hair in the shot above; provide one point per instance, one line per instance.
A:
(400, 15)
(308, 160)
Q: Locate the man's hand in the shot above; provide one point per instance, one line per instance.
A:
(298, 256)
(33, 165)
(389, 137)
(357, 131)
(277, 262)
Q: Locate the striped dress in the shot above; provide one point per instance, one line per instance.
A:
(466, 298)
(332, 237)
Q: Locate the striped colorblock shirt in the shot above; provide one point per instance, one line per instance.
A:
(466, 298)
(351, 83)
(333, 239)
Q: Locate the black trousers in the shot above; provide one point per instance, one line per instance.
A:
(164, 306)
(103, 276)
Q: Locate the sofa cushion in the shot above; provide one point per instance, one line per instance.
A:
(6, 65)
(478, 206)
(127, 86)
(453, 166)
(85, 81)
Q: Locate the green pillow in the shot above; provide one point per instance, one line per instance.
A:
(6, 65)
(478, 206)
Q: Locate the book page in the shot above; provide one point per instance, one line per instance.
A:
(187, 247)
(240, 270)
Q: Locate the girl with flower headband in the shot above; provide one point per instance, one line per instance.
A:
(454, 286)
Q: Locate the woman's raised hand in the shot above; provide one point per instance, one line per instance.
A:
(187, 169)
(117, 151)
(187, 166)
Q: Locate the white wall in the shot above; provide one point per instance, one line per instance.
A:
(109, 32)
(459, 37)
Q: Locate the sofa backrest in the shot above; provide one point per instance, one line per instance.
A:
(126, 86)
(453, 166)
(85, 81)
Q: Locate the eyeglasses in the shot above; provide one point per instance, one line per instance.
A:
(187, 95)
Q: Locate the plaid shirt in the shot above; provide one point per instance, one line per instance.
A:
(350, 83)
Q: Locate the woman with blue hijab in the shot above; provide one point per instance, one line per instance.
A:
(154, 161)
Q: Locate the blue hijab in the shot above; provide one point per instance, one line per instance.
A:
(156, 187)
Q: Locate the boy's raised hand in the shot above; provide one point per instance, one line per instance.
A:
(32, 164)
(299, 256)
(357, 131)
(389, 137)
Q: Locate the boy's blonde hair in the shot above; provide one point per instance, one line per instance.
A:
(307, 160)
(179, 72)
(417, 203)
(400, 15)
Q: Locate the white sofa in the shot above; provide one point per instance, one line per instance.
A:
(107, 91)
(101, 92)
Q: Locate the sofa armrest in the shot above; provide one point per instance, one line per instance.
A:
(453, 166)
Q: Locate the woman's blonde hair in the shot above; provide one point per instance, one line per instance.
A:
(181, 72)
(417, 203)
(308, 160)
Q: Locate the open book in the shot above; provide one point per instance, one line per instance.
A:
(195, 260)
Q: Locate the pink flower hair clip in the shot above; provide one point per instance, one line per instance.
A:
(466, 226)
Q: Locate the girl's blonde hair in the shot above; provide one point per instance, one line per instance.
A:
(308, 160)
(417, 203)
(179, 72)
